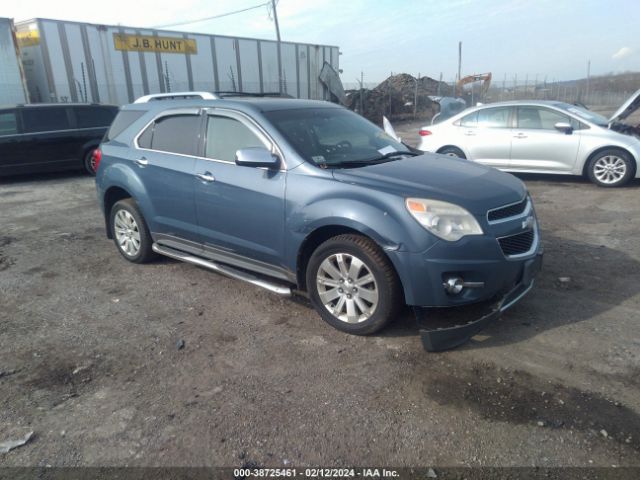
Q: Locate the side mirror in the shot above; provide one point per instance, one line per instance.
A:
(564, 127)
(256, 157)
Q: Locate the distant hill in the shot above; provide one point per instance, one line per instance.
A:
(613, 82)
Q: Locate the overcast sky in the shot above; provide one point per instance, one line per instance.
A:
(512, 37)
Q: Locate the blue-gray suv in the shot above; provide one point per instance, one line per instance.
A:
(306, 196)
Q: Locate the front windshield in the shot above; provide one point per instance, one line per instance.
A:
(585, 114)
(334, 137)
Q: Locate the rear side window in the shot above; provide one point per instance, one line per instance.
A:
(144, 140)
(92, 117)
(225, 136)
(469, 121)
(494, 118)
(176, 134)
(122, 121)
(8, 122)
(45, 119)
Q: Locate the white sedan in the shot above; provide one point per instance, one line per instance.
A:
(542, 137)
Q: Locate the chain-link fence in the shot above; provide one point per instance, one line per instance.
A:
(571, 92)
(404, 96)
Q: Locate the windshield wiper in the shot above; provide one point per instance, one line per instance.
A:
(370, 161)
(394, 154)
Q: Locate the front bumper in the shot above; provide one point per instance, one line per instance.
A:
(435, 340)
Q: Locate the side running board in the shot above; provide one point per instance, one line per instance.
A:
(222, 269)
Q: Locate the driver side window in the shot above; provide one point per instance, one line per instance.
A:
(225, 136)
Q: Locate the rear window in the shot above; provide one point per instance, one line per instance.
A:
(122, 121)
(176, 134)
(8, 123)
(45, 119)
(93, 117)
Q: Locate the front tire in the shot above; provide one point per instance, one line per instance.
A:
(353, 285)
(611, 168)
(130, 232)
(452, 152)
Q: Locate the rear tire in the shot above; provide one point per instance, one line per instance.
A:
(452, 152)
(130, 232)
(353, 285)
(611, 168)
(89, 163)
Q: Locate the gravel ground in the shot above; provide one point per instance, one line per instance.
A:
(89, 355)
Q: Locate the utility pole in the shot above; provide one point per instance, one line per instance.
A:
(275, 19)
(504, 87)
(415, 97)
(459, 61)
(586, 99)
(361, 93)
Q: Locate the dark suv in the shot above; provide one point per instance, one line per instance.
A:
(51, 137)
(298, 195)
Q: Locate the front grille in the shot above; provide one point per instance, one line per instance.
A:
(508, 211)
(517, 244)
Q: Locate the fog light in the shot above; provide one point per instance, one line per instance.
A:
(453, 285)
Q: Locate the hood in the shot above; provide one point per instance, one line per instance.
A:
(627, 108)
(470, 185)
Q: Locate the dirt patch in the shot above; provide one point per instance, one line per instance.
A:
(4, 241)
(518, 397)
(34, 270)
(5, 262)
(225, 338)
(56, 379)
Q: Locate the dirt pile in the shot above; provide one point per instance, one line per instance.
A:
(399, 97)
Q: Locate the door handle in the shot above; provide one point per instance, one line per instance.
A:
(142, 162)
(206, 177)
(520, 135)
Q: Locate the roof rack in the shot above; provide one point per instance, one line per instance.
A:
(177, 96)
(252, 94)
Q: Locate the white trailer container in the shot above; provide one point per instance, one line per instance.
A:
(75, 62)
(12, 85)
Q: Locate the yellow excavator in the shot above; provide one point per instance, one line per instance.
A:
(485, 78)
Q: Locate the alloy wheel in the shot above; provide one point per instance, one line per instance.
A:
(347, 288)
(610, 169)
(127, 233)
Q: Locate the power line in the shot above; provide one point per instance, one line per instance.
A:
(204, 19)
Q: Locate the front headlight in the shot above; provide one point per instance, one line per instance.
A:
(445, 220)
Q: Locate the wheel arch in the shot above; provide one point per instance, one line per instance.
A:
(111, 196)
(323, 233)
